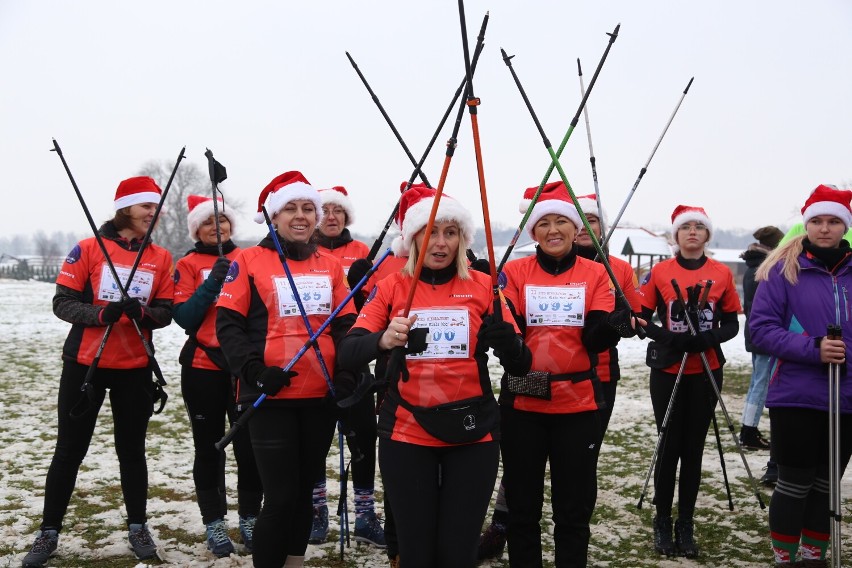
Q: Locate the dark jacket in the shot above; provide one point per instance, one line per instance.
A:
(753, 256)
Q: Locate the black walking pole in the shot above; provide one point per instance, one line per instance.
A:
(218, 174)
(86, 387)
(645, 167)
(592, 159)
(552, 164)
(479, 44)
(619, 293)
(835, 463)
(709, 373)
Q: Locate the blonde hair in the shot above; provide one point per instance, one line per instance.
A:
(461, 258)
(788, 253)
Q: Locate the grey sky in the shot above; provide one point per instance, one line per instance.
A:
(267, 87)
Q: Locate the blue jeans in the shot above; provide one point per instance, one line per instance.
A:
(756, 396)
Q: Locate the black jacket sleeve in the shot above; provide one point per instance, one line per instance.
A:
(241, 355)
(68, 305)
(597, 334)
(357, 348)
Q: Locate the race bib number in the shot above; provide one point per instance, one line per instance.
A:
(555, 305)
(140, 287)
(314, 293)
(449, 334)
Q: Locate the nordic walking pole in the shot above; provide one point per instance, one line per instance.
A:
(710, 378)
(246, 415)
(479, 45)
(472, 104)
(645, 167)
(551, 165)
(217, 175)
(592, 160)
(834, 460)
(161, 381)
(619, 293)
(388, 120)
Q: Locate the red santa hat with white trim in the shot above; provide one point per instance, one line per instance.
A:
(135, 190)
(683, 214)
(415, 206)
(589, 205)
(554, 198)
(828, 200)
(283, 189)
(338, 195)
(200, 209)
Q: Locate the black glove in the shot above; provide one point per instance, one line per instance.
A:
(656, 332)
(344, 384)
(273, 379)
(619, 320)
(481, 265)
(690, 343)
(220, 269)
(499, 335)
(357, 271)
(133, 308)
(417, 340)
(111, 313)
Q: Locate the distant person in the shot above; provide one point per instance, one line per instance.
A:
(87, 297)
(693, 406)
(802, 290)
(750, 437)
(334, 238)
(206, 379)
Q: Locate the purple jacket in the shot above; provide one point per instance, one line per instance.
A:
(786, 321)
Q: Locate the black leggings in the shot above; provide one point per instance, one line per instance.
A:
(131, 401)
(361, 419)
(684, 439)
(440, 497)
(290, 445)
(209, 400)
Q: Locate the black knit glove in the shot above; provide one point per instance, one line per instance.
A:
(619, 320)
(691, 343)
(220, 269)
(344, 384)
(133, 308)
(357, 271)
(111, 313)
(273, 379)
(417, 340)
(499, 335)
(481, 265)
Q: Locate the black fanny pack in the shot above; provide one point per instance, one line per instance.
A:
(459, 422)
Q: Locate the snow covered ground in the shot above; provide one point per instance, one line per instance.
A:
(94, 535)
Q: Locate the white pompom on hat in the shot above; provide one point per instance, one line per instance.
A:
(415, 206)
(683, 214)
(338, 195)
(828, 200)
(135, 190)
(200, 209)
(285, 188)
(554, 198)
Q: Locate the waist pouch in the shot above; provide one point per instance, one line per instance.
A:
(458, 422)
(662, 356)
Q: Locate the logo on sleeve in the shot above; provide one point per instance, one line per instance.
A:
(372, 295)
(177, 276)
(233, 272)
(74, 255)
(502, 280)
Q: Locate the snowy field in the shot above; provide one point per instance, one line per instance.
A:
(95, 535)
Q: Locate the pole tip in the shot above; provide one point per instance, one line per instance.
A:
(579, 68)
(688, 85)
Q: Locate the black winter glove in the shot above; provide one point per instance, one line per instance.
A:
(220, 269)
(417, 340)
(499, 335)
(690, 343)
(619, 320)
(133, 308)
(344, 384)
(273, 379)
(481, 265)
(357, 271)
(111, 313)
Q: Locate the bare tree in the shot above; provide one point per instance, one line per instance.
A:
(47, 248)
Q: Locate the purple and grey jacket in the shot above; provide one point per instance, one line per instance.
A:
(786, 322)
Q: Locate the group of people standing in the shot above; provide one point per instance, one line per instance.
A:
(422, 334)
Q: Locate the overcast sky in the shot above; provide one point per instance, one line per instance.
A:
(268, 88)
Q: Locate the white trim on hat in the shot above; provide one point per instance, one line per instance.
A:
(417, 216)
(279, 198)
(204, 211)
(547, 207)
(137, 198)
(332, 196)
(828, 208)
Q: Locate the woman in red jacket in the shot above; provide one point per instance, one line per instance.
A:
(438, 424)
(260, 326)
(206, 380)
(87, 297)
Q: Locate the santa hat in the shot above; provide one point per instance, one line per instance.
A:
(338, 195)
(828, 200)
(589, 205)
(683, 214)
(200, 209)
(285, 188)
(554, 198)
(135, 190)
(415, 206)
